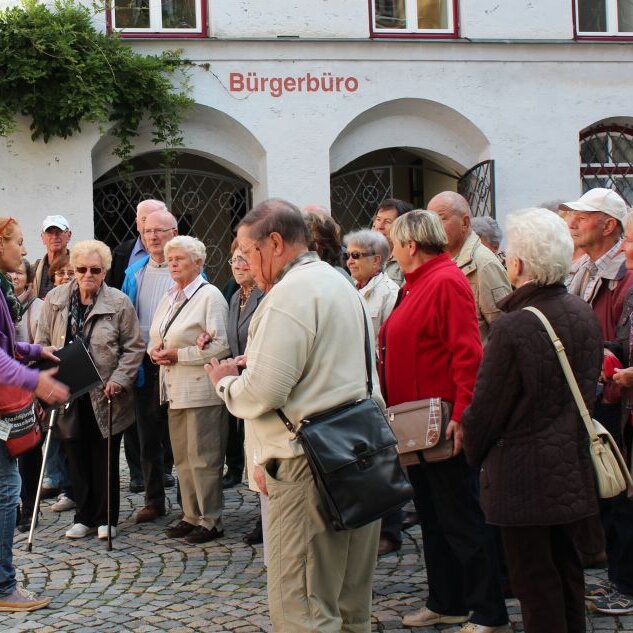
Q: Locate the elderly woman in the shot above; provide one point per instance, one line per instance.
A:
(523, 429)
(430, 348)
(17, 381)
(198, 421)
(105, 320)
(489, 233)
(367, 253)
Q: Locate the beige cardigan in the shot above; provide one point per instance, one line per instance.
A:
(187, 383)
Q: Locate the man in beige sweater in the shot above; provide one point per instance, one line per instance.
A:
(305, 355)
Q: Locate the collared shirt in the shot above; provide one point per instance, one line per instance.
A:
(592, 271)
(138, 252)
(188, 291)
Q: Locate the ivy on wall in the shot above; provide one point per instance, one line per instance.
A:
(59, 71)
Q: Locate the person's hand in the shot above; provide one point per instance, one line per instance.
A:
(260, 479)
(162, 356)
(50, 390)
(623, 377)
(112, 389)
(455, 430)
(240, 361)
(203, 339)
(48, 353)
(216, 370)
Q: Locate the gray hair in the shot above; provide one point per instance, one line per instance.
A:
(194, 247)
(150, 205)
(370, 241)
(90, 247)
(422, 227)
(488, 228)
(541, 240)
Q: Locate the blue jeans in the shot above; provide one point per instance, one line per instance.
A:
(56, 473)
(9, 498)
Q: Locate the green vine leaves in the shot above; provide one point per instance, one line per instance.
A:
(59, 71)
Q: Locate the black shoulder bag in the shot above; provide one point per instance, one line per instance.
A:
(352, 455)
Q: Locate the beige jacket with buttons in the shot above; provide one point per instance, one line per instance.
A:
(187, 383)
(116, 347)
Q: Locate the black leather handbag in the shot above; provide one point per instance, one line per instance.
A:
(351, 451)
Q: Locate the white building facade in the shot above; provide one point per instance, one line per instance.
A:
(513, 102)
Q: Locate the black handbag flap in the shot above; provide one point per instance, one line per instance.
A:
(351, 433)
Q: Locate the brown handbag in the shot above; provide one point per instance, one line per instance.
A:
(420, 427)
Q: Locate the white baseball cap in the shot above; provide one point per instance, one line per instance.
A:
(58, 221)
(599, 199)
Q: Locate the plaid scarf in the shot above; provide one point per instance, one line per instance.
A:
(15, 307)
(78, 313)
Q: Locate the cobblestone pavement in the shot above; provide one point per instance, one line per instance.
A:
(152, 583)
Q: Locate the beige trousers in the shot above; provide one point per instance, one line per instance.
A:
(198, 440)
(319, 580)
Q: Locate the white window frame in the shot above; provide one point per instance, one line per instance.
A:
(411, 15)
(612, 22)
(155, 21)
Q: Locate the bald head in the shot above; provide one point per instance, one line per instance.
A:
(144, 208)
(454, 211)
(317, 209)
(160, 227)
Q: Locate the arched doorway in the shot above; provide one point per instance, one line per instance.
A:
(207, 199)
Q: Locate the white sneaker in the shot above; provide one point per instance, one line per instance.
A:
(471, 627)
(426, 617)
(79, 530)
(102, 533)
(63, 503)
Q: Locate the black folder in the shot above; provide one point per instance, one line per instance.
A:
(76, 369)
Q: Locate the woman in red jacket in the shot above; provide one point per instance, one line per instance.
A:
(430, 347)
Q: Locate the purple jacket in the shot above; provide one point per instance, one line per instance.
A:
(13, 372)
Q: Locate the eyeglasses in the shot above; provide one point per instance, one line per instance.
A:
(358, 254)
(94, 270)
(237, 261)
(65, 272)
(156, 231)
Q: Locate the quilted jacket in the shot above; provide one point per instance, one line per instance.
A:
(523, 429)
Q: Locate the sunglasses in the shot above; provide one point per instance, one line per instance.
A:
(358, 254)
(94, 270)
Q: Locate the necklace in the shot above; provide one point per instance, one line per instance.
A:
(245, 295)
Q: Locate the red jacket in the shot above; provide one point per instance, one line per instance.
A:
(430, 345)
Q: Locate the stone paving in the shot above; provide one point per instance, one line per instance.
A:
(152, 583)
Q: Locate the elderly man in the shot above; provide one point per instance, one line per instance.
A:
(146, 282)
(56, 234)
(485, 273)
(305, 355)
(602, 279)
(388, 211)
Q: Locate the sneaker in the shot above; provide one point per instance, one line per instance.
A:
(22, 600)
(63, 503)
(615, 603)
(102, 532)
(79, 530)
(426, 617)
(598, 589)
(471, 627)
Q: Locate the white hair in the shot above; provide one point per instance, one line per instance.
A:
(91, 247)
(488, 228)
(194, 247)
(541, 240)
(372, 241)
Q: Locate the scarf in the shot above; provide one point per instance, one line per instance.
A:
(15, 307)
(78, 313)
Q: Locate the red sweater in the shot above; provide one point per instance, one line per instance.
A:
(430, 345)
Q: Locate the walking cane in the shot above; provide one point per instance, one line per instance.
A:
(109, 488)
(36, 510)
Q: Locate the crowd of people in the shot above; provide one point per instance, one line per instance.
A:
(199, 378)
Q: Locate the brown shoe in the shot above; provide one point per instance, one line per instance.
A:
(182, 528)
(149, 513)
(386, 546)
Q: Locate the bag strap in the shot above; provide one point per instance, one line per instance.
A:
(370, 384)
(567, 370)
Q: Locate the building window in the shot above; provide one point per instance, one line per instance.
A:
(164, 17)
(606, 159)
(604, 18)
(414, 18)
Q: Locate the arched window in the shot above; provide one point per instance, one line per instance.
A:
(606, 159)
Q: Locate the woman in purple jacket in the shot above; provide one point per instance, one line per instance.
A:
(42, 384)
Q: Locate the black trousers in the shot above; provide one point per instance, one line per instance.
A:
(235, 446)
(30, 465)
(547, 577)
(88, 464)
(151, 423)
(462, 566)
